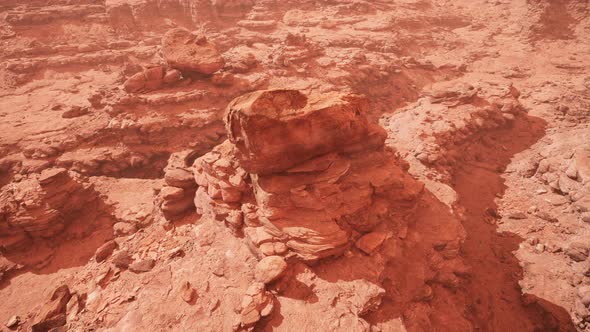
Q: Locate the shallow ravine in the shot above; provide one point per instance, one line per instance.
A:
(497, 303)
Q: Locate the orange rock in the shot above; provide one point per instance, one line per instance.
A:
(274, 130)
(187, 292)
(180, 178)
(52, 313)
(135, 83)
(270, 269)
(369, 243)
(172, 76)
(50, 201)
(105, 251)
(187, 52)
(257, 303)
(142, 266)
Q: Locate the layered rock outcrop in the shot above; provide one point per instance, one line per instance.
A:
(42, 206)
(222, 186)
(152, 78)
(301, 174)
(158, 14)
(189, 52)
(276, 130)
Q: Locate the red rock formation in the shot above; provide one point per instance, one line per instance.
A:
(42, 206)
(191, 53)
(276, 130)
(303, 219)
(318, 170)
(222, 186)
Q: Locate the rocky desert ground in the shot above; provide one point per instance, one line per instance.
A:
(280, 165)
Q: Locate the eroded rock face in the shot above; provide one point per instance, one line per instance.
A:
(150, 14)
(429, 142)
(312, 208)
(188, 52)
(177, 195)
(152, 78)
(275, 130)
(301, 173)
(41, 206)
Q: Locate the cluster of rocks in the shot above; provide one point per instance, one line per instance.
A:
(578, 250)
(556, 177)
(6, 30)
(42, 205)
(137, 15)
(131, 220)
(178, 194)
(232, 5)
(108, 161)
(189, 52)
(456, 111)
(582, 303)
(61, 306)
(37, 16)
(295, 49)
(53, 313)
(152, 78)
(429, 133)
(568, 176)
(121, 259)
(301, 174)
(222, 186)
(258, 302)
(159, 15)
(184, 52)
(37, 47)
(563, 171)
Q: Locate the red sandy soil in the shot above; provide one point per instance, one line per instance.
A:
(260, 165)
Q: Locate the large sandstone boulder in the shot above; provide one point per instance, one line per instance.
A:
(191, 53)
(274, 130)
